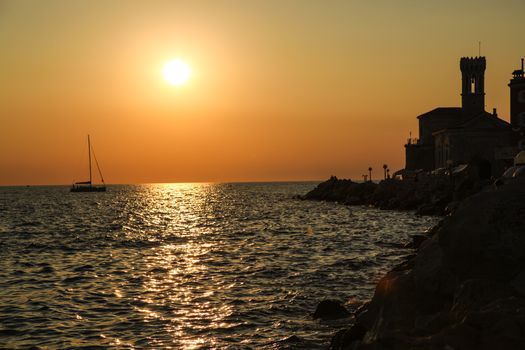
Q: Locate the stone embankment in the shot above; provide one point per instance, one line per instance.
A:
(465, 287)
(427, 194)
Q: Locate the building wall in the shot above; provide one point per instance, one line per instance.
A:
(517, 109)
(517, 102)
(419, 156)
(441, 150)
(432, 123)
(464, 146)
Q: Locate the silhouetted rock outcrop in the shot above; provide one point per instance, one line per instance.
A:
(330, 310)
(427, 194)
(334, 190)
(464, 289)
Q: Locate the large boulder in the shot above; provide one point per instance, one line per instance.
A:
(334, 190)
(343, 191)
(463, 290)
(330, 310)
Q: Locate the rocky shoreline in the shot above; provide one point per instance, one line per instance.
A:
(426, 194)
(465, 286)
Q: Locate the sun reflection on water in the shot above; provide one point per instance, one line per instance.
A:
(177, 282)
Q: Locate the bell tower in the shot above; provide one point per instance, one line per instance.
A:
(473, 84)
(517, 98)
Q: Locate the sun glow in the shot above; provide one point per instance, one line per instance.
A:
(176, 72)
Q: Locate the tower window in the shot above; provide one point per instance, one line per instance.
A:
(472, 85)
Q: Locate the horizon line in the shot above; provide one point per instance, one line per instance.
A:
(168, 183)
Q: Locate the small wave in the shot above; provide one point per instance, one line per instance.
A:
(9, 332)
(83, 268)
(74, 279)
(46, 269)
(159, 270)
(29, 224)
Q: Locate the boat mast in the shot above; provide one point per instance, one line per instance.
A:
(89, 155)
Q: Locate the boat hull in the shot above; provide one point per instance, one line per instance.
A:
(88, 189)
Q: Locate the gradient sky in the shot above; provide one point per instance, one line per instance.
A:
(281, 90)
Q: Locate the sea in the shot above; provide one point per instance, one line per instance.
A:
(187, 266)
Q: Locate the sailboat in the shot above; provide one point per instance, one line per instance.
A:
(87, 186)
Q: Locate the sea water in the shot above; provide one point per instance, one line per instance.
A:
(187, 266)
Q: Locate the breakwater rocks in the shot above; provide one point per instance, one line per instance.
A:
(464, 289)
(427, 194)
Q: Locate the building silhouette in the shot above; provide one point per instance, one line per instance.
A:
(517, 104)
(468, 134)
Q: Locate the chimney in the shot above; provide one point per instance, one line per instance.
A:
(494, 112)
(522, 64)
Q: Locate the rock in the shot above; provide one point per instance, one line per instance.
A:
(430, 272)
(353, 200)
(333, 190)
(431, 193)
(348, 336)
(474, 294)
(451, 207)
(291, 343)
(427, 209)
(485, 237)
(330, 310)
(518, 283)
(417, 241)
(465, 289)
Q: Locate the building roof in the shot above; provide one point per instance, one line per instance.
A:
(451, 112)
(484, 120)
(481, 121)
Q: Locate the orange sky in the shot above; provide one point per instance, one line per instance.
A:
(280, 90)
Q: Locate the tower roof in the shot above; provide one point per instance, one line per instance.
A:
(518, 74)
(473, 63)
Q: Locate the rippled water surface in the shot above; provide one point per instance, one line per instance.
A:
(186, 266)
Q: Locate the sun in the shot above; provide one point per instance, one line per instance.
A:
(176, 72)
